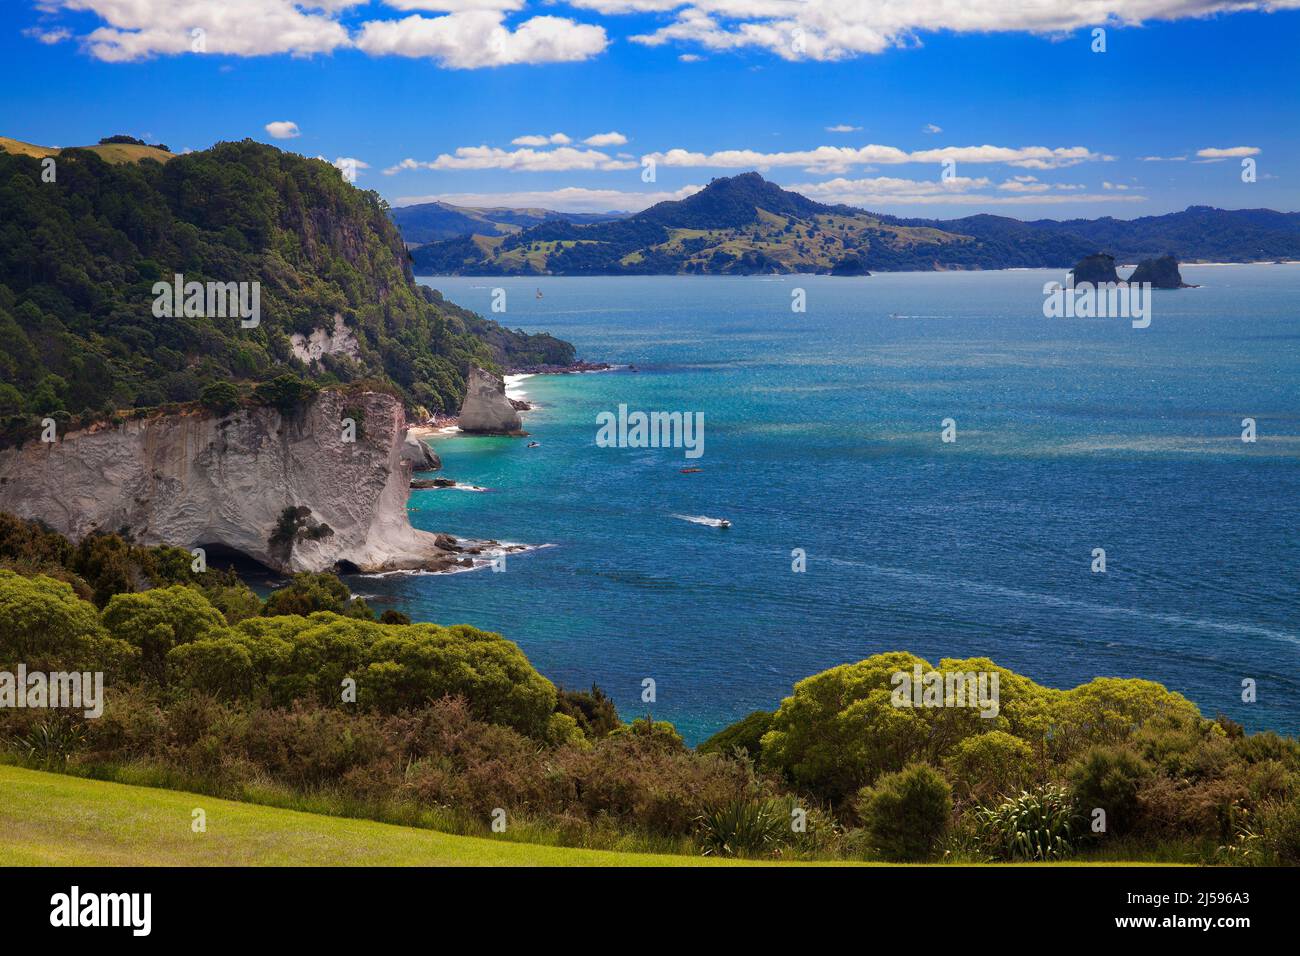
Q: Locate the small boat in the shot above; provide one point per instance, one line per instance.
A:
(724, 523)
(691, 471)
(539, 293)
(533, 444)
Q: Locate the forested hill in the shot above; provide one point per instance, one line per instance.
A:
(745, 225)
(79, 257)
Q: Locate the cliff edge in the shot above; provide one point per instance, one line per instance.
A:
(285, 490)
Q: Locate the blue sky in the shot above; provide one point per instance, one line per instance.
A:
(848, 102)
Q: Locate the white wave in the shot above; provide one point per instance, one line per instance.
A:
(702, 519)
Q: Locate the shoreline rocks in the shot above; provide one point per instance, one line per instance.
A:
(1097, 269)
(486, 409)
(1162, 273)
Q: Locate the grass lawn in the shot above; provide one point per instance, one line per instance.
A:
(54, 819)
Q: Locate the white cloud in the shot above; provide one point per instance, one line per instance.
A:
(1232, 152)
(283, 129)
(612, 138)
(570, 199)
(468, 34)
(558, 139)
(136, 29)
(479, 38)
(931, 128)
(842, 128)
(841, 158)
(48, 37)
(885, 190)
(837, 30)
(1162, 159)
(526, 159)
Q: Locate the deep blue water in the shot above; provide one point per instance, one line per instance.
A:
(822, 432)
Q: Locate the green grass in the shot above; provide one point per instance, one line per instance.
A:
(49, 819)
(52, 819)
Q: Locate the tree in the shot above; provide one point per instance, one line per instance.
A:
(221, 397)
(44, 625)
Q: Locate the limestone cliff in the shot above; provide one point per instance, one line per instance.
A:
(287, 491)
(486, 410)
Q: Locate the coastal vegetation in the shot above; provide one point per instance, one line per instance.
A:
(306, 701)
(79, 257)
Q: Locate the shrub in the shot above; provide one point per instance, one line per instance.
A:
(1037, 825)
(990, 765)
(593, 710)
(907, 813)
(1279, 832)
(1109, 778)
(220, 397)
(44, 625)
(745, 827)
(156, 621)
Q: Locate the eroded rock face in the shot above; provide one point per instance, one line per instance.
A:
(196, 479)
(486, 410)
(420, 455)
(339, 340)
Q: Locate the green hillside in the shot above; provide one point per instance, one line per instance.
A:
(109, 152)
(79, 258)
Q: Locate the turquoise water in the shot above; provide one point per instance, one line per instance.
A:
(822, 432)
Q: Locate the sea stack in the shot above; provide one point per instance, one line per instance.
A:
(1162, 273)
(486, 410)
(1097, 269)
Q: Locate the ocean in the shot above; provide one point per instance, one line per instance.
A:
(823, 436)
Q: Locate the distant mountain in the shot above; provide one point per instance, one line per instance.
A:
(432, 221)
(747, 225)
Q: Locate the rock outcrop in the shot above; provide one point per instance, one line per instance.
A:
(284, 490)
(337, 341)
(486, 410)
(1162, 273)
(420, 455)
(1097, 269)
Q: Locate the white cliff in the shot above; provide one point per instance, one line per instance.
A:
(486, 408)
(200, 479)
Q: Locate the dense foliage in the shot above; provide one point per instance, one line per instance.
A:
(304, 699)
(79, 258)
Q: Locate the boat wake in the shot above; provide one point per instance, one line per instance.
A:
(705, 520)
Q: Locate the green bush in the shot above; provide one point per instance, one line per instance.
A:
(1109, 778)
(44, 625)
(906, 814)
(990, 765)
(155, 621)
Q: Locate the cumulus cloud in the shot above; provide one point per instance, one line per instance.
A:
(834, 159)
(467, 34)
(569, 199)
(611, 138)
(837, 30)
(887, 190)
(558, 139)
(283, 129)
(526, 159)
(479, 38)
